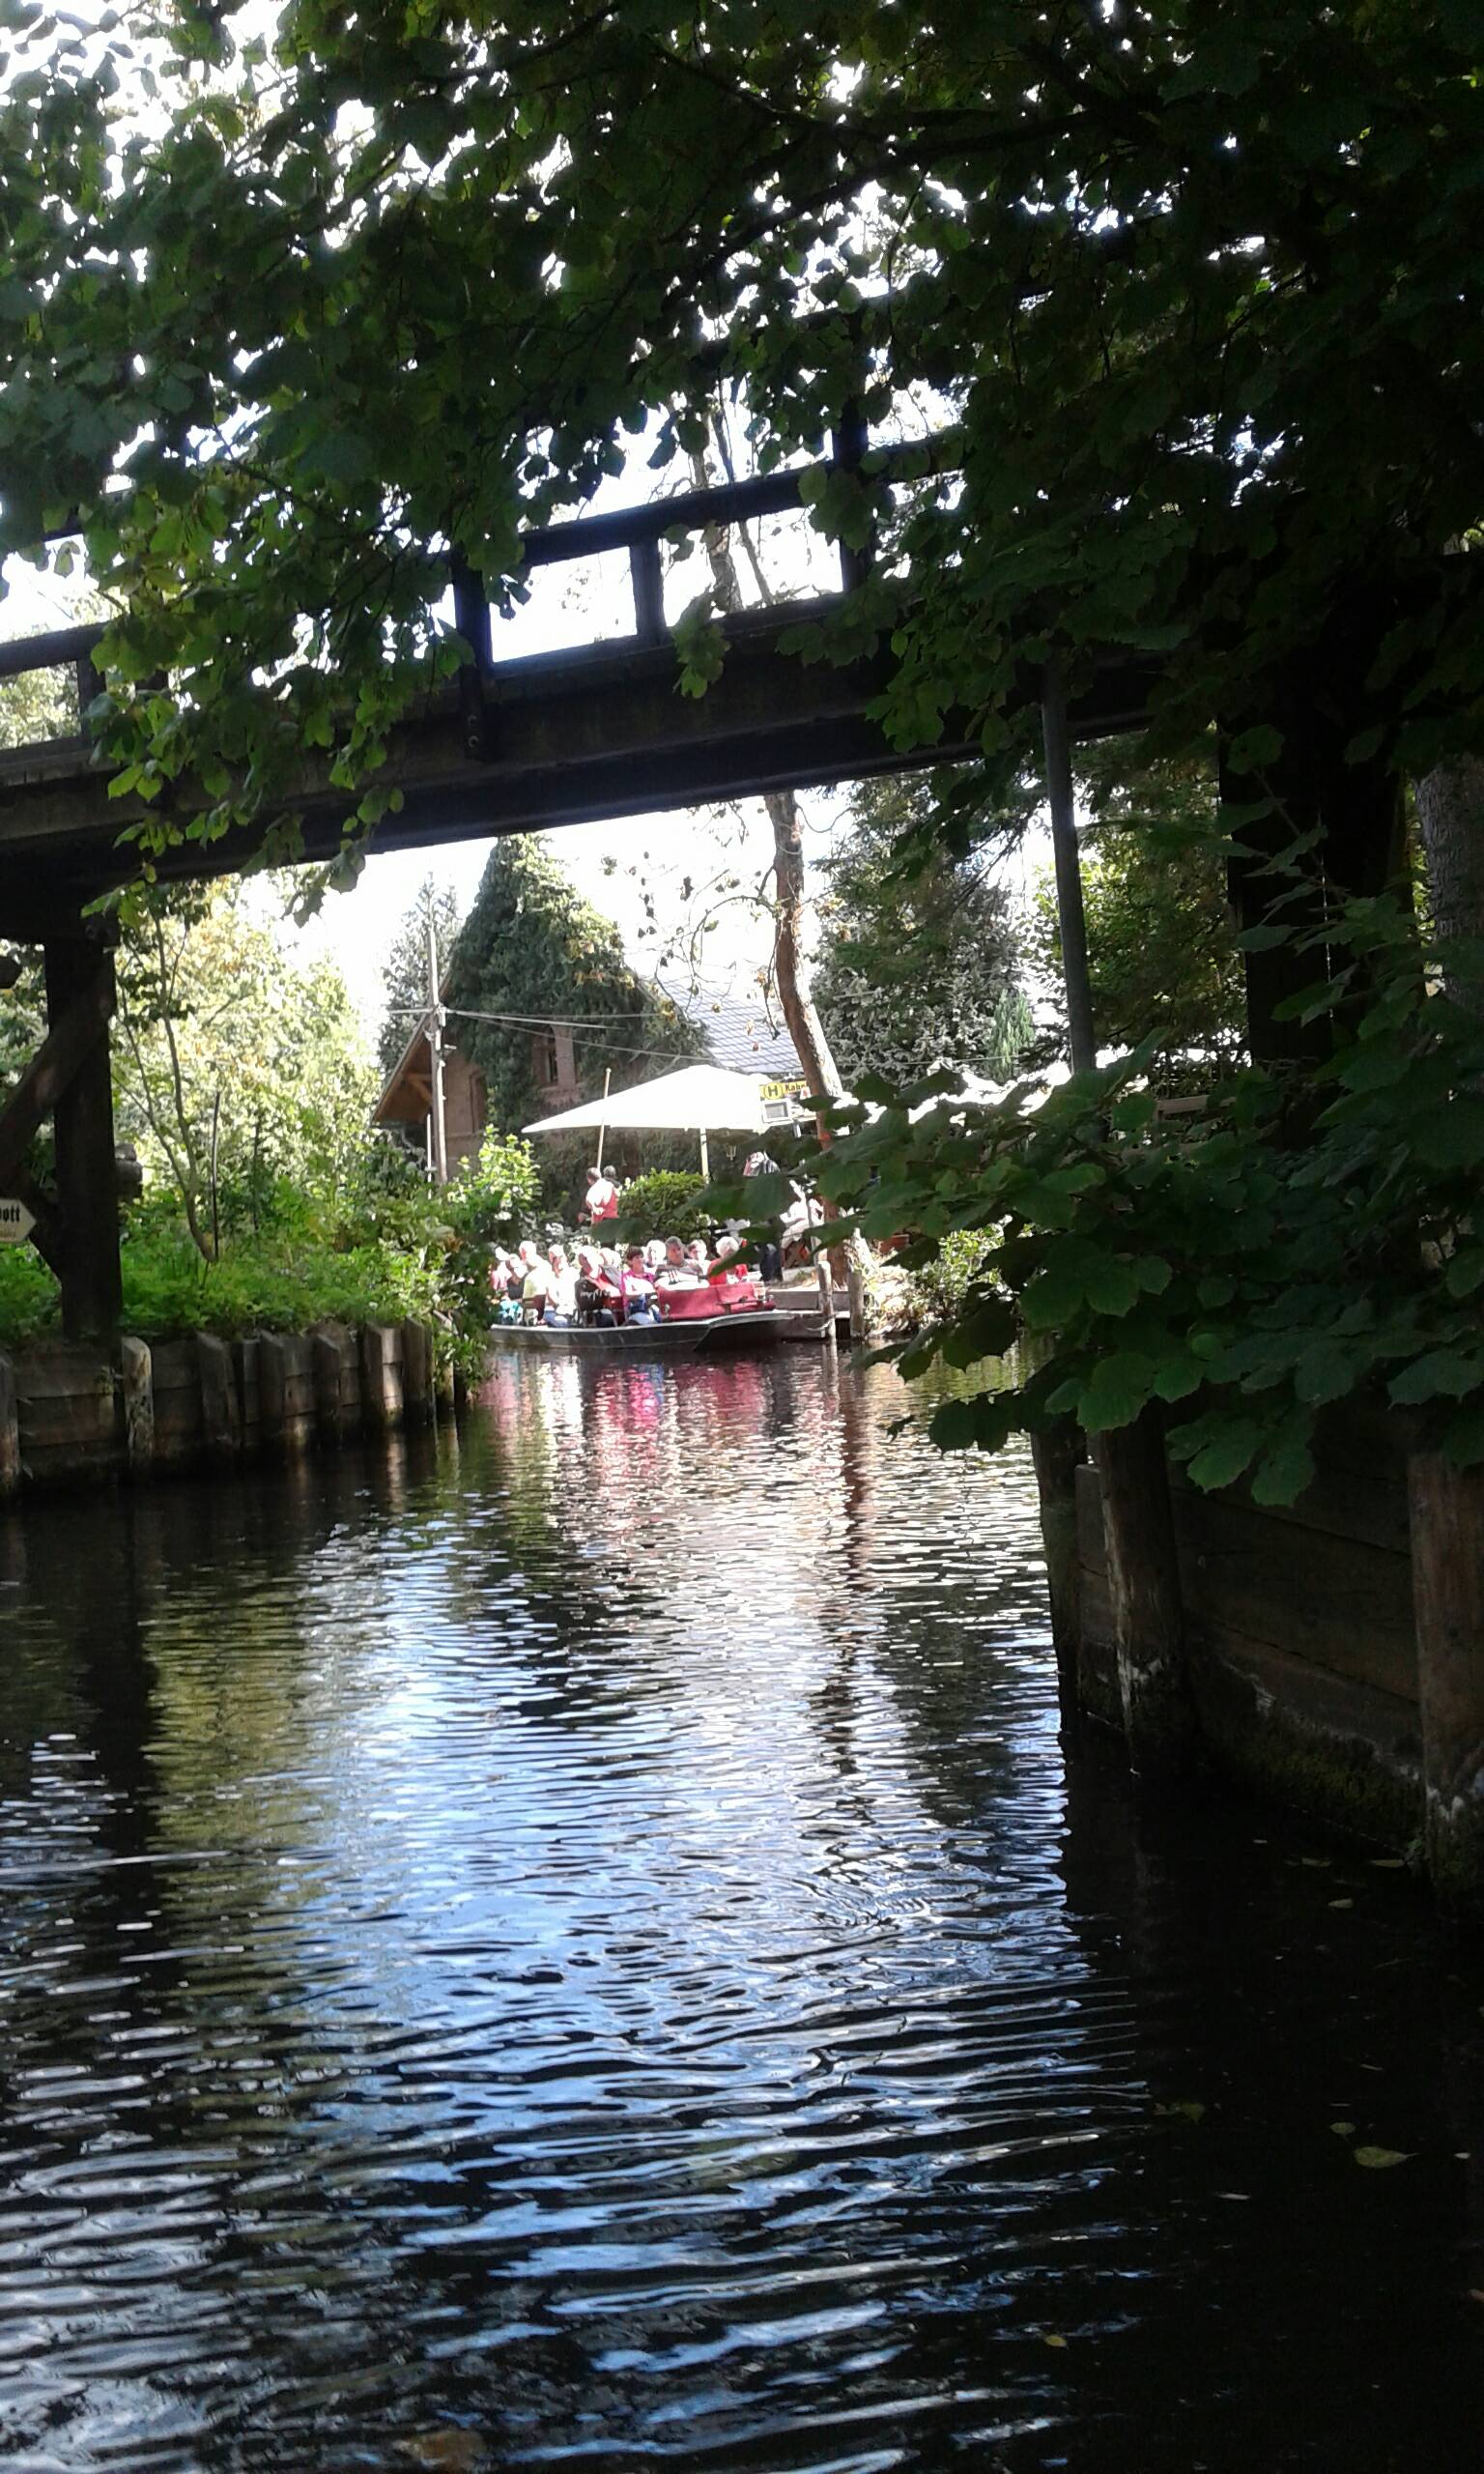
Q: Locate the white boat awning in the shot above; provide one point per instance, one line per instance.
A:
(700, 1098)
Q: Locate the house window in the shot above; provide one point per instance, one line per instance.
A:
(544, 1060)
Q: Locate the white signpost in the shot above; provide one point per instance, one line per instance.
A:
(16, 1222)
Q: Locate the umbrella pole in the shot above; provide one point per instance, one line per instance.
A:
(705, 1157)
(603, 1128)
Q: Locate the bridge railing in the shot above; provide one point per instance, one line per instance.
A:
(640, 531)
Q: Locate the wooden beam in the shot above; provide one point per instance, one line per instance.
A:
(76, 1027)
(45, 1236)
(588, 736)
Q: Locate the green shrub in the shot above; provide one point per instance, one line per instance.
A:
(28, 1296)
(936, 1290)
(663, 1204)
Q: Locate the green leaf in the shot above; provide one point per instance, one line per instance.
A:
(1225, 1457)
(1177, 1376)
(1215, 1289)
(1110, 1285)
(1283, 1473)
(1440, 1374)
(1453, 1137)
(1327, 1371)
(1254, 748)
(1378, 2159)
(1120, 1386)
(1465, 1272)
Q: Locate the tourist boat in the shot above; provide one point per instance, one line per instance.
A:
(692, 1334)
(725, 1316)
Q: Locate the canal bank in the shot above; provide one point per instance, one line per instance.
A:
(1298, 1650)
(75, 1414)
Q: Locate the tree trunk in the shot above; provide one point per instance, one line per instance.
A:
(790, 969)
(1450, 813)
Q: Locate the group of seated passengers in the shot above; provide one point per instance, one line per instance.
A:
(600, 1285)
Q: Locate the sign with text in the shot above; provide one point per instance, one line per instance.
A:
(784, 1090)
(16, 1222)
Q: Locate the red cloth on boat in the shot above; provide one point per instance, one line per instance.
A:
(713, 1297)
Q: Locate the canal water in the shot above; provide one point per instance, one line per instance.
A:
(579, 1944)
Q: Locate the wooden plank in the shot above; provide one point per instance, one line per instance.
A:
(1358, 1491)
(66, 1411)
(1342, 1752)
(1338, 1603)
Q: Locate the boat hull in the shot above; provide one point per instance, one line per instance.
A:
(700, 1335)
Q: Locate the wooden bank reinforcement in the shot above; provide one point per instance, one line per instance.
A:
(71, 1412)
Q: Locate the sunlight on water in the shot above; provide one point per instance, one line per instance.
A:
(575, 1944)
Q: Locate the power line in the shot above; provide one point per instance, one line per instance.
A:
(535, 1021)
(548, 1021)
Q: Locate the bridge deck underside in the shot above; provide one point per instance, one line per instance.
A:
(570, 737)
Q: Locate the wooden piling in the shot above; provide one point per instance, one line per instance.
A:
(220, 1423)
(136, 1394)
(286, 1402)
(1146, 1598)
(444, 1396)
(1447, 1513)
(9, 1432)
(826, 1280)
(1057, 1453)
(337, 1381)
(417, 1374)
(860, 1308)
(381, 1376)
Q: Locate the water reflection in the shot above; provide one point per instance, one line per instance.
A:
(577, 1943)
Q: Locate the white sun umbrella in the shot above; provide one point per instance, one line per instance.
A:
(700, 1098)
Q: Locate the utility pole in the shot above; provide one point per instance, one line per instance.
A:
(438, 1128)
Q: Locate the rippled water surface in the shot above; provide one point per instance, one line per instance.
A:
(577, 1944)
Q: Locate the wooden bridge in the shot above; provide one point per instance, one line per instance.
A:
(548, 739)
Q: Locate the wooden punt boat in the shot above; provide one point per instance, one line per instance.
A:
(744, 1327)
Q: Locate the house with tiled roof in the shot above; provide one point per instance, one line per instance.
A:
(741, 1029)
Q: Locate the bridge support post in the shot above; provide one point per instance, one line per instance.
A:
(80, 983)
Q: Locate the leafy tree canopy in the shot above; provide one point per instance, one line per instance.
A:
(532, 952)
(237, 1066)
(918, 966)
(1199, 288)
